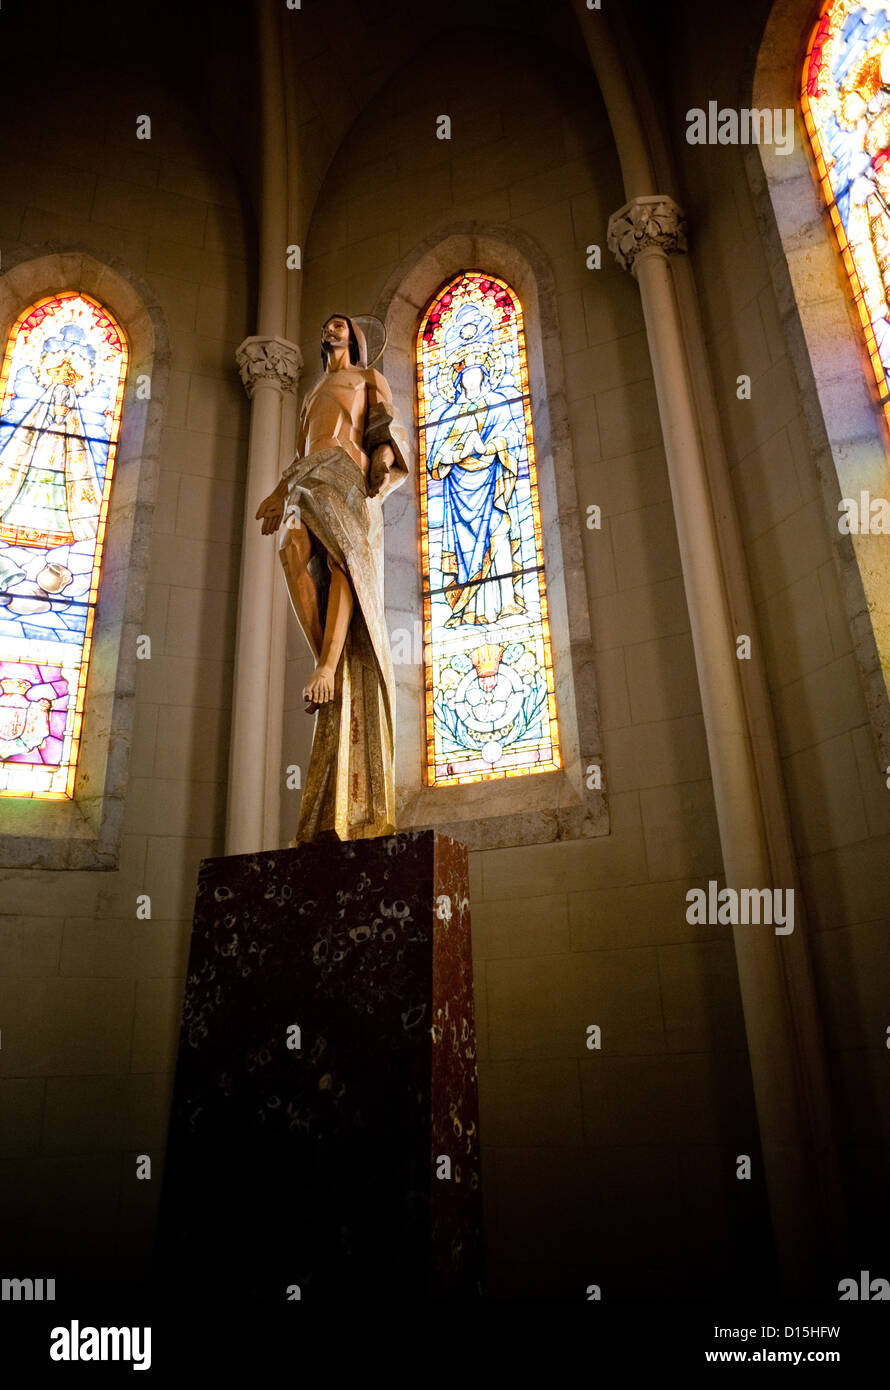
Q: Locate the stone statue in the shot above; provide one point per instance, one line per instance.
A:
(328, 505)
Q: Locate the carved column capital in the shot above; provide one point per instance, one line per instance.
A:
(269, 362)
(646, 226)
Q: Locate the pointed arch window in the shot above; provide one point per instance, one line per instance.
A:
(61, 390)
(490, 697)
(846, 106)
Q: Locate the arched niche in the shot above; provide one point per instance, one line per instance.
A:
(542, 806)
(85, 832)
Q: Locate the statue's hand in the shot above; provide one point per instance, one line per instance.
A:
(382, 459)
(270, 511)
(320, 689)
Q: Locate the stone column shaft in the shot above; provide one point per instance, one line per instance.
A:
(642, 235)
(269, 366)
(270, 369)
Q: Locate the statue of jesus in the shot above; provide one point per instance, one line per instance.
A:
(328, 506)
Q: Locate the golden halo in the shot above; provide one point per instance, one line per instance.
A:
(374, 330)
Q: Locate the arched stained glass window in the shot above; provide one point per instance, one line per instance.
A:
(61, 389)
(490, 702)
(846, 106)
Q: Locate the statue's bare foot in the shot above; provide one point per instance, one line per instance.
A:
(320, 689)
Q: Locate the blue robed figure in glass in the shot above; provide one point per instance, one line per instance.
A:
(476, 443)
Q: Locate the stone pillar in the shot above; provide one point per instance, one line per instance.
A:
(642, 235)
(269, 367)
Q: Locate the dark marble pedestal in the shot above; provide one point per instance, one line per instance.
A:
(312, 1158)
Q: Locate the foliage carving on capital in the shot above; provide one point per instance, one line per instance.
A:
(646, 224)
(269, 362)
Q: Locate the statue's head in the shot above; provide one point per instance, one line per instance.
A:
(339, 330)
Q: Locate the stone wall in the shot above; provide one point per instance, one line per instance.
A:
(614, 1166)
(89, 995)
(787, 492)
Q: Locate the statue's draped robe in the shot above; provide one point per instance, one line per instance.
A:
(349, 788)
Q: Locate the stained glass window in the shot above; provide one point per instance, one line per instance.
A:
(490, 702)
(846, 106)
(61, 389)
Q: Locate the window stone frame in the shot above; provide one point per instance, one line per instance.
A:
(542, 806)
(85, 831)
(847, 430)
